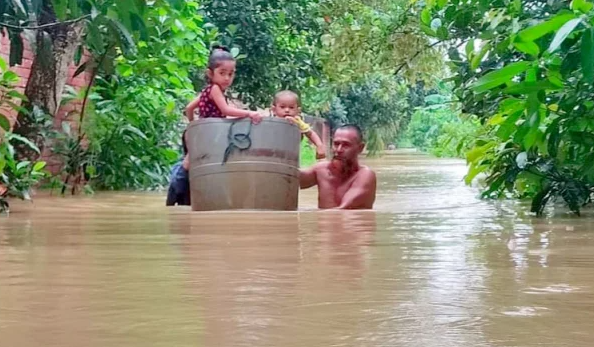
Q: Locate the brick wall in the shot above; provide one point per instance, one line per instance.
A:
(65, 112)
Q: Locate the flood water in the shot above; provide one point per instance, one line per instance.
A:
(431, 266)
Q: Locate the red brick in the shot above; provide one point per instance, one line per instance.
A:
(26, 63)
(27, 54)
(24, 70)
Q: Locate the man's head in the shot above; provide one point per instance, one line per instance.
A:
(286, 104)
(347, 143)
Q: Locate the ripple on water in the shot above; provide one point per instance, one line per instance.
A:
(525, 311)
(552, 289)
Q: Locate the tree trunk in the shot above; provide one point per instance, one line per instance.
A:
(54, 50)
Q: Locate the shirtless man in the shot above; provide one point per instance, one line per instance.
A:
(342, 182)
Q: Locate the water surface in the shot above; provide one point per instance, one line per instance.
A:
(431, 266)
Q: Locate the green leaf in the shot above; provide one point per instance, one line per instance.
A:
(124, 38)
(532, 108)
(3, 66)
(134, 130)
(94, 37)
(542, 29)
(10, 77)
(19, 5)
(555, 78)
(40, 165)
(532, 74)
(442, 33)
(530, 48)
(497, 119)
(427, 30)
(80, 69)
(60, 8)
(509, 126)
(581, 5)
(170, 107)
(587, 55)
(75, 10)
(540, 200)
(530, 87)
(78, 54)
(23, 164)
(476, 60)
(477, 152)
(473, 172)
(138, 25)
(4, 122)
(177, 4)
(469, 49)
(562, 34)
(13, 136)
(91, 170)
(498, 77)
(426, 17)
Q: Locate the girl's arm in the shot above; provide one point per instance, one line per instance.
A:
(217, 96)
(191, 107)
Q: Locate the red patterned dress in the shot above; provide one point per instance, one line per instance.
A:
(206, 105)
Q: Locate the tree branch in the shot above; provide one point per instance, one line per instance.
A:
(423, 50)
(44, 26)
(417, 54)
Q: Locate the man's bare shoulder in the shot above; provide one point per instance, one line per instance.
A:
(320, 166)
(366, 173)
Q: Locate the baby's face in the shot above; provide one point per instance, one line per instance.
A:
(286, 106)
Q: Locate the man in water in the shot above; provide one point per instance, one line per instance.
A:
(342, 182)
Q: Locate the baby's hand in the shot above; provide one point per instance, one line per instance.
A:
(320, 153)
(256, 117)
(292, 120)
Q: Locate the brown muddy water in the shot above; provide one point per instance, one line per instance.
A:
(431, 266)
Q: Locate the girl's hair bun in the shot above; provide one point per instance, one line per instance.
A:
(219, 47)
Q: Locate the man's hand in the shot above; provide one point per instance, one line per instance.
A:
(308, 177)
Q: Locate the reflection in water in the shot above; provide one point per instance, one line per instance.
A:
(431, 266)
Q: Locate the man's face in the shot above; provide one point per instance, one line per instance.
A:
(346, 145)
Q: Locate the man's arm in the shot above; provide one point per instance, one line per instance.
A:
(361, 195)
(308, 177)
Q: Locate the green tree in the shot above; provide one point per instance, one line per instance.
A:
(365, 42)
(382, 36)
(274, 41)
(135, 127)
(527, 71)
(16, 176)
(378, 105)
(58, 30)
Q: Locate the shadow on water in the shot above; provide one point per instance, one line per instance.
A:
(432, 265)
